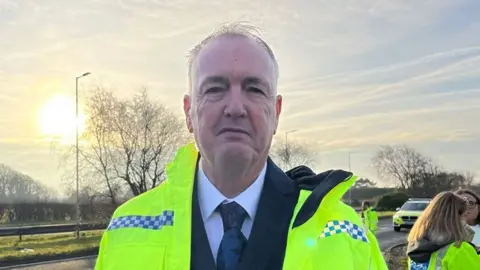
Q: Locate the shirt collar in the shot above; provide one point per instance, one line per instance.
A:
(210, 197)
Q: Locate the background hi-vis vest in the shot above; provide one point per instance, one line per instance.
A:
(370, 219)
(153, 230)
(450, 257)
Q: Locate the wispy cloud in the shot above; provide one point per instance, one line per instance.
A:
(347, 92)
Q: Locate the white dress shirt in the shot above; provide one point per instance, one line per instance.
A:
(209, 198)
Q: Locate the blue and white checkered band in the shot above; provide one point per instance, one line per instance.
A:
(343, 226)
(419, 266)
(145, 222)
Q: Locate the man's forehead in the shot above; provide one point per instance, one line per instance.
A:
(233, 53)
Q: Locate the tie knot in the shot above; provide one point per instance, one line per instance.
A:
(232, 214)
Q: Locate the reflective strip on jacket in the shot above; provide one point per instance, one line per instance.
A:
(153, 230)
(450, 257)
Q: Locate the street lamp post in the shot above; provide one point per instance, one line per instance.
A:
(350, 170)
(287, 154)
(76, 152)
(349, 161)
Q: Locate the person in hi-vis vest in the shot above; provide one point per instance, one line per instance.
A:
(369, 216)
(225, 204)
(439, 238)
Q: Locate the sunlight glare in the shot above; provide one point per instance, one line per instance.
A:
(57, 119)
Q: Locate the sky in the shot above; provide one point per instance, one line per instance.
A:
(354, 74)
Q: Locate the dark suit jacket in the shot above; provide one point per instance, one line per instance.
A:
(267, 242)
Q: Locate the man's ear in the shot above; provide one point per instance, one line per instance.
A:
(186, 109)
(278, 110)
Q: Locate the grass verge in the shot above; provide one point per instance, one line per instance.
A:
(396, 258)
(38, 248)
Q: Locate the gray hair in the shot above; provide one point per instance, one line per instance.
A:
(240, 29)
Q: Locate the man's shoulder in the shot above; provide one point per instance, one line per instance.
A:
(141, 204)
(340, 211)
(348, 211)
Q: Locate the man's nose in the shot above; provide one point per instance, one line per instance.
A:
(235, 103)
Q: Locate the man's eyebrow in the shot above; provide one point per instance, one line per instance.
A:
(255, 80)
(252, 80)
(215, 79)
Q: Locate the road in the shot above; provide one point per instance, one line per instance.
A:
(385, 235)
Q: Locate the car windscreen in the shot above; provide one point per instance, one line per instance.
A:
(415, 206)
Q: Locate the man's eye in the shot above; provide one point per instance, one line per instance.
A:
(215, 89)
(255, 90)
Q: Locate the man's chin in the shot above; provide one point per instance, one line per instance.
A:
(234, 152)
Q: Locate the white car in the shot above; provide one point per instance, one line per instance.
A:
(406, 216)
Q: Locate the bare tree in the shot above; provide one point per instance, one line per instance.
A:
(410, 170)
(16, 187)
(145, 138)
(364, 183)
(21, 197)
(401, 164)
(127, 143)
(292, 153)
(469, 178)
(95, 165)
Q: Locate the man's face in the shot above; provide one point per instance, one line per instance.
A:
(233, 109)
(364, 206)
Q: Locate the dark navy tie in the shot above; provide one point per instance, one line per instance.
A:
(233, 241)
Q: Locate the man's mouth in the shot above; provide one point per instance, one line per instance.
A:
(235, 130)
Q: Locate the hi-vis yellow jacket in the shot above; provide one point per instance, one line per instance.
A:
(153, 230)
(448, 257)
(370, 219)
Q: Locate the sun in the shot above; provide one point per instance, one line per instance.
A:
(57, 119)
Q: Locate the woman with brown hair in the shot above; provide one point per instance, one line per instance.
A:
(438, 240)
(471, 216)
